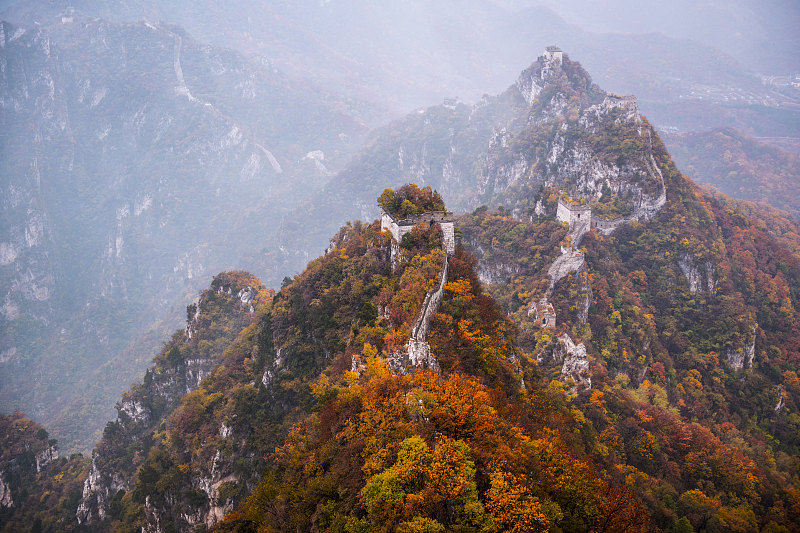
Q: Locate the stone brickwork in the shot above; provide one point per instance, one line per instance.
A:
(572, 214)
(416, 354)
(603, 226)
(544, 314)
(553, 53)
(398, 228)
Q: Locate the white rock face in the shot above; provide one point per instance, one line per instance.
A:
(246, 296)
(210, 485)
(318, 156)
(554, 109)
(135, 410)
(7, 355)
(46, 457)
(98, 491)
(695, 278)
(5, 493)
(628, 104)
(181, 88)
(196, 372)
(529, 87)
(741, 358)
(781, 405)
(277, 365)
(208, 515)
(490, 272)
(451, 172)
(501, 173)
(272, 161)
(142, 204)
(690, 271)
(35, 287)
(7, 253)
(576, 364)
(711, 278)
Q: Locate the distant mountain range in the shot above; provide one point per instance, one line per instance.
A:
(762, 35)
(407, 54)
(739, 166)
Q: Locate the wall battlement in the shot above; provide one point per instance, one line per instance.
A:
(572, 213)
(553, 53)
(544, 314)
(398, 228)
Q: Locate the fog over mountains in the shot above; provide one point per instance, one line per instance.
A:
(147, 145)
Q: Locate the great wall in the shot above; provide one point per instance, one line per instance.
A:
(416, 354)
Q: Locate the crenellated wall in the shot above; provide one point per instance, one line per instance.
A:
(398, 228)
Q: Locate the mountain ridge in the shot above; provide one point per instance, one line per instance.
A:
(662, 396)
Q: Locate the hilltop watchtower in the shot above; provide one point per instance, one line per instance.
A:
(553, 53)
(398, 228)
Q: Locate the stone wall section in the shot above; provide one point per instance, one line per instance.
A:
(416, 354)
(572, 213)
(398, 228)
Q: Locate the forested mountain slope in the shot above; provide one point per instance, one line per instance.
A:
(391, 387)
(470, 153)
(740, 166)
(144, 111)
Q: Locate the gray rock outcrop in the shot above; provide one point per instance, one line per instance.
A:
(576, 363)
(5, 493)
(45, 457)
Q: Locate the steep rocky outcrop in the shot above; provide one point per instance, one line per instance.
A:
(698, 281)
(98, 491)
(575, 363)
(740, 355)
(45, 457)
(5, 493)
(224, 309)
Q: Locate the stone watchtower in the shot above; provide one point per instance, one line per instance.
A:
(544, 315)
(573, 213)
(553, 53)
(398, 228)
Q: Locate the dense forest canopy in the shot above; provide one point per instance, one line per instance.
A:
(410, 200)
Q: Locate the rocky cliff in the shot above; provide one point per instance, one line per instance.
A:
(125, 149)
(213, 323)
(554, 127)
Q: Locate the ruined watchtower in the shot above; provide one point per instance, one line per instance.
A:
(398, 228)
(553, 53)
(544, 314)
